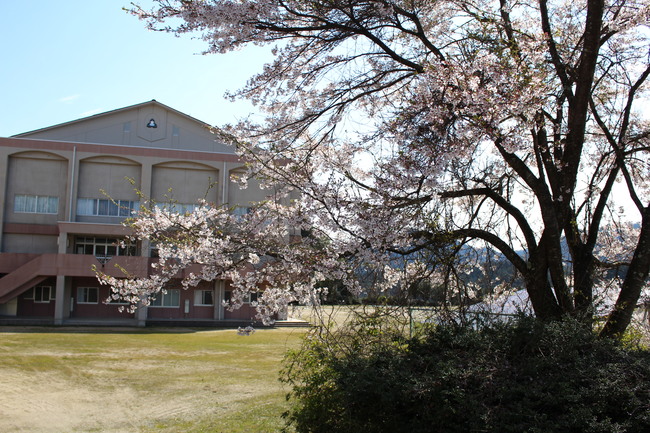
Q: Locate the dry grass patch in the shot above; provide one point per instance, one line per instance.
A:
(84, 380)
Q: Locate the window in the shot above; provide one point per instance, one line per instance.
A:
(106, 207)
(87, 295)
(41, 294)
(203, 297)
(36, 204)
(103, 247)
(116, 301)
(181, 208)
(240, 211)
(170, 299)
(248, 298)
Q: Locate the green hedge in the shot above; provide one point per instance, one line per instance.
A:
(519, 377)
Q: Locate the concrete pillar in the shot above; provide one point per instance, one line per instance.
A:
(145, 248)
(218, 298)
(4, 174)
(225, 181)
(141, 316)
(61, 301)
(283, 314)
(63, 243)
(73, 186)
(146, 179)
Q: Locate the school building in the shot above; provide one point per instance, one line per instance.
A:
(65, 191)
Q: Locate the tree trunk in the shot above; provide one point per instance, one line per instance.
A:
(583, 268)
(637, 274)
(539, 289)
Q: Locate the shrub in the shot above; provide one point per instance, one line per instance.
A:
(524, 376)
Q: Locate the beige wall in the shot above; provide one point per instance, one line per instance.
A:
(108, 174)
(88, 171)
(243, 197)
(188, 182)
(55, 168)
(35, 173)
(27, 243)
(107, 177)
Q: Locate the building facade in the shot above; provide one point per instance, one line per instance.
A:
(65, 191)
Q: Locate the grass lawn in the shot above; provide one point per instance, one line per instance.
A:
(142, 380)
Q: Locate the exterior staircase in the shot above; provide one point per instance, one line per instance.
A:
(27, 275)
(26, 270)
(291, 323)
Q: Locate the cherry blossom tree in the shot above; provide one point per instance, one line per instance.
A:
(411, 127)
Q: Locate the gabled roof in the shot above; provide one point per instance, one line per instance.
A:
(149, 124)
(153, 102)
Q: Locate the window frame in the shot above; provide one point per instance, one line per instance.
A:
(111, 246)
(249, 298)
(35, 294)
(179, 208)
(162, 297)
(85, 297)
(241, 211)
(199, 295)
(106, 207)
(41, 204)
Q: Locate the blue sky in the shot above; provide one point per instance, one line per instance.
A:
(67, 59)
